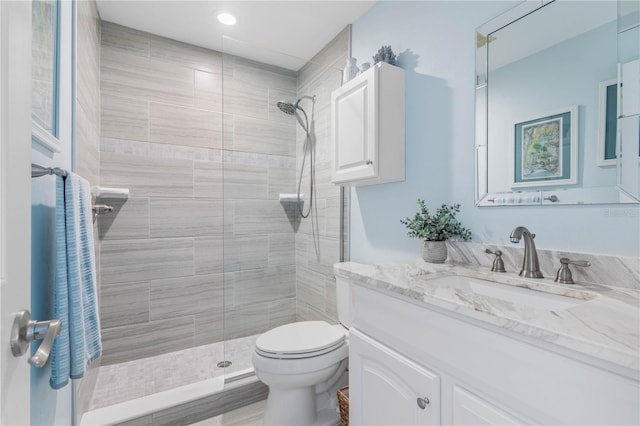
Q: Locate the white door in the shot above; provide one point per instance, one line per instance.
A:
(15, 201)
(386, 388)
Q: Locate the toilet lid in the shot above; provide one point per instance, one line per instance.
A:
(301, 338)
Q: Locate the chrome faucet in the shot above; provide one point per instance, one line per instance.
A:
(530, 265)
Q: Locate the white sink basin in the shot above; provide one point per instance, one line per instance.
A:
(538, 299)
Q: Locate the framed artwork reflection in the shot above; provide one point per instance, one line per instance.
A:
(545, 149)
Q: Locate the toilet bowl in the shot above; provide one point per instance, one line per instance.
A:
(303, 364)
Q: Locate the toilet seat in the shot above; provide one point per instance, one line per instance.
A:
(298, 340)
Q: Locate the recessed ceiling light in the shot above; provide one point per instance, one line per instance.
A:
(227, 19)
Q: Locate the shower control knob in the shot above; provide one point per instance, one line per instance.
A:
(423, 402)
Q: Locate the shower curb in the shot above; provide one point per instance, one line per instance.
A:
(231, 396)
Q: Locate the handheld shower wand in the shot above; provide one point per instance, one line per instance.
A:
(290, 108)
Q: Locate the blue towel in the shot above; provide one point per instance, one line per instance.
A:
(75, 294)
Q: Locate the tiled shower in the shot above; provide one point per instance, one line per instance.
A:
(202, 251)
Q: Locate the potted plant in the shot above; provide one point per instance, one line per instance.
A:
(435, 229)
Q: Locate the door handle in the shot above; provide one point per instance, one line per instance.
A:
(25, 331)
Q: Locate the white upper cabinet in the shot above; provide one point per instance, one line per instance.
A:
(367, 128)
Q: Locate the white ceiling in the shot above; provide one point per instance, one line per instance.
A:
(282, 33)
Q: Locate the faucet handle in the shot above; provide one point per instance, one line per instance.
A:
(498, 264)
(563, 276)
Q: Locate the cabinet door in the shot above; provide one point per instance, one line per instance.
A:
(354, 131)
(386, 388)
(469, 409)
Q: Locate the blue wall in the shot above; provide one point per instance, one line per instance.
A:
(435, 41)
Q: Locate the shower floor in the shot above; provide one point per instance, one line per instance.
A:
(142, 377)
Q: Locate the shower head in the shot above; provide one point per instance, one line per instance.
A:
(287, 107)
(290, 108)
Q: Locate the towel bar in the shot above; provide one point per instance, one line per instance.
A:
(38, 170)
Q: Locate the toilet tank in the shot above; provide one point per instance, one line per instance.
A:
(344, 302)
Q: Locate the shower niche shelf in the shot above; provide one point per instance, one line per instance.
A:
(368, 128)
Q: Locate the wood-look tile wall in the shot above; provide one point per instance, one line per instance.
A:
(202, 239)
(318, 238)
(88, 143)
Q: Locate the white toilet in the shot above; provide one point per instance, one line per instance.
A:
(304, 364)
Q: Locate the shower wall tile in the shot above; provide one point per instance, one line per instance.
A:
(137, 260)
(208, 254)
(305, 312)
(229, 217)
(260, 74)
(182, 296)
(265, 136)
(186, 55)
(332, 217)
(147, 176)
(156, 150)
(87, 146)
(317, 240)
(204, 191)
(145, 78)
(263, 285)
(207, 179)
(246, 320)
(124, 304)
(242, 181)
(88, 61)
(180, 217)
(282, 249)
(319, 223)
(228, 129)
(208, 91)
(185, 126)
(124, 39)
(282, 312)
(324, 188)
(282, 180)
(209, 326)
(129, 220)
(260, 217)
(245, 252)
(246, 99)
(311, 287)
(137, 341)
(124, 118)
(330, 299)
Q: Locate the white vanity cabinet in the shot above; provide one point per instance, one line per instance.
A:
(386, 388)
(368, 128)
(471, 372)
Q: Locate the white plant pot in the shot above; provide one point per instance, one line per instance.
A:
(434, 251)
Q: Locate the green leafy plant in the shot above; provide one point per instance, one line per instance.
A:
(437, 227)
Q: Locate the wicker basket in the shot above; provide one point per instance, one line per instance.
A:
(343, 402)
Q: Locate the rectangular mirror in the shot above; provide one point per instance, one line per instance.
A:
(546, 105)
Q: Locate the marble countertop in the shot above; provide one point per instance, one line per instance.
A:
(604, 324)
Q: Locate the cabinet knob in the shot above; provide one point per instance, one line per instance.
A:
(423, 402)
(369, 163)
